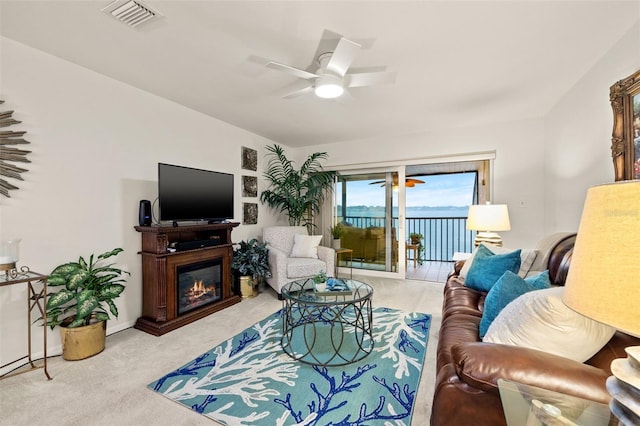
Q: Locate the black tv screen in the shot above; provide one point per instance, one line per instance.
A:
(185, 193)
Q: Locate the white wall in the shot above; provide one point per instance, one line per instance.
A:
(95, 147)
(578, 134)
(518, 172)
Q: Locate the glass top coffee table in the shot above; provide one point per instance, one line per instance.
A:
(327, 327)
(533, 406)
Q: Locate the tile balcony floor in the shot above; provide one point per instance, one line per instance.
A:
(429, 271)
(433, 271)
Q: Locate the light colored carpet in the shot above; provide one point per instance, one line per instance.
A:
(110, 388)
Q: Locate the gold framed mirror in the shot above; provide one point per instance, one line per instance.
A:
(625, 138)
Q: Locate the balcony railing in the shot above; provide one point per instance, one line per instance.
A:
(443, 236)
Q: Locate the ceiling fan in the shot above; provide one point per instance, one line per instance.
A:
(408, 182)
(331, 75)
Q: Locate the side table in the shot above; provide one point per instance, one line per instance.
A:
(533, 406)
(340, 252)
(413, 247)
(35, 299)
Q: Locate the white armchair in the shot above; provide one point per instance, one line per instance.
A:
(284, 268)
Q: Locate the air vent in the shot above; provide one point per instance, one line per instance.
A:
(132, 13)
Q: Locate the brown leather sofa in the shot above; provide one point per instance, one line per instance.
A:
(467, 370)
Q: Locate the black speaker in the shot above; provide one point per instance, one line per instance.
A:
(144, 213)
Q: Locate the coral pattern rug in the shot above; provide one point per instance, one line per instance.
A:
(249, 380)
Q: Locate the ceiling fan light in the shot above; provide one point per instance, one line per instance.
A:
(329, 91)
(328, 87)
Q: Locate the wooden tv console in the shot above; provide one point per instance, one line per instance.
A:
(159, 272)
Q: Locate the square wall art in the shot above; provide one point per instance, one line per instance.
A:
(249, 186)
(249, 159)
(250, 213)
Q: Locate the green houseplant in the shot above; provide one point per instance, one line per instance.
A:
(336, 233)
(84, 302)
(251, 263)
(298, 193)
(320, 277)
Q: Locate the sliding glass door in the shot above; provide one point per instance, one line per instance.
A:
(367, 205)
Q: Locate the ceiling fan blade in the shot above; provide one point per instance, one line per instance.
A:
(327, 43)
(370, 79)
(343, 56)
(299, 92)
(297, 72)
(409, 183)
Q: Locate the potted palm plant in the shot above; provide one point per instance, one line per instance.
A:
(251, 265)
(336, 233)
(82, 306)
(298, 193)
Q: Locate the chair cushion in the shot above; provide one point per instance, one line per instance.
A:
(487, 267)
(306, 246)
(540, 320)
(300, 267)
(508, 287)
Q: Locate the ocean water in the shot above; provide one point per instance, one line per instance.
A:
(412, 212)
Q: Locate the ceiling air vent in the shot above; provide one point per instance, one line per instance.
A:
(132, 13)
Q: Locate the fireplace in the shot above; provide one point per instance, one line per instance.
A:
(182, 286)
(198, 284)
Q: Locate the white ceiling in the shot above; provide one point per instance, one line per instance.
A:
(458, 64)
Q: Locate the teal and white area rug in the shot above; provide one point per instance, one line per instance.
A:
(249, 380)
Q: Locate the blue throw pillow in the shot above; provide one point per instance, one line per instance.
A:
(487, 267)
(509, 287)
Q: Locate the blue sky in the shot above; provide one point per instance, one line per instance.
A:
(437, 191)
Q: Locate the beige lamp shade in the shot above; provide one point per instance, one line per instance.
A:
(604, 277)
(488, 217)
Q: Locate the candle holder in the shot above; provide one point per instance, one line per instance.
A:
(9, 255)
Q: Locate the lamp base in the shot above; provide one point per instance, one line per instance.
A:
(488, 238)
(7, 266)
(624, 387)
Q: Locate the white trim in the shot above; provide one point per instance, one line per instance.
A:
(474, 156)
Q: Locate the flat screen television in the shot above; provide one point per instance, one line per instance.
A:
(188, 194)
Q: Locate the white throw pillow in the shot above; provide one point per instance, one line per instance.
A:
(527, 257)
(540, 320)
(306, 246)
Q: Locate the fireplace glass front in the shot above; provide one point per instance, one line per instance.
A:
(199, 284)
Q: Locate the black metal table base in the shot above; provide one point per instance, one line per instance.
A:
(327, 330)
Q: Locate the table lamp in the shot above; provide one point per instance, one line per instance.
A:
(486, 219)
(603, 281)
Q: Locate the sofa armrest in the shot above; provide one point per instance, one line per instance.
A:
(278, 267)
(328, 256)
(481, 365)
(457, 267)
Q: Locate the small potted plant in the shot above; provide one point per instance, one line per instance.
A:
(336, 233)
(320, 281)
(82, 307)
(415, 238)
(251, 264)
(320, 277)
